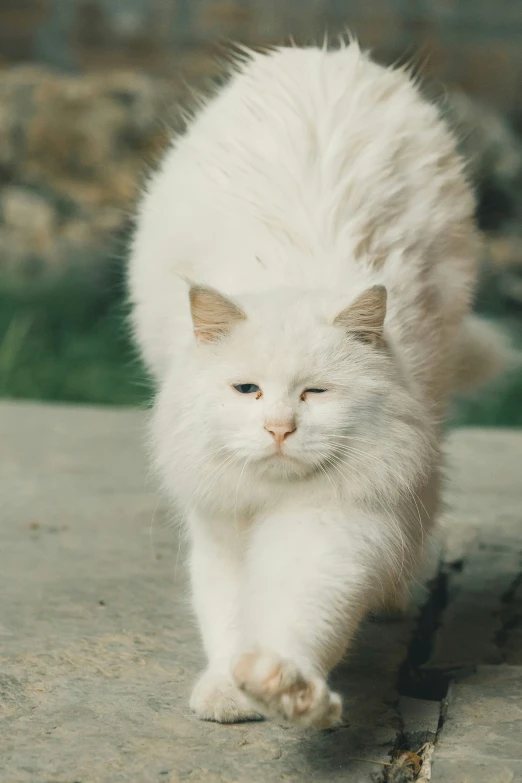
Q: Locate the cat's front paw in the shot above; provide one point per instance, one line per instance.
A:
(283, 691)
(215, 697)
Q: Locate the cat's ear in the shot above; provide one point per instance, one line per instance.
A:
(213, 315)
(364, 318)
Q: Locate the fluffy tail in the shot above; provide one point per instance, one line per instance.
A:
(483, 352)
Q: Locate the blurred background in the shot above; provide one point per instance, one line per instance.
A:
(89, 91)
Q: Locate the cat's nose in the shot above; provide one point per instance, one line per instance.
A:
(280, 431)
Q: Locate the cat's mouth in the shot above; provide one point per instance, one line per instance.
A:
(280, 462)
(278, 455)
(283, 467)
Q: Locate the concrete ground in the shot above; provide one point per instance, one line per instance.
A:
(98, 649)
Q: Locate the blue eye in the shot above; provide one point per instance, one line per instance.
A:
(246, 388)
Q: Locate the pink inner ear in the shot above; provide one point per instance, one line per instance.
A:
(213, 315)
(364, 318)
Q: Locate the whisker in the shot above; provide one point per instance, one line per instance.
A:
(388, 516)
(376, 460)
(247, 460)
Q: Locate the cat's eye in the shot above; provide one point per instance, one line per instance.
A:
(247, 388)
(311, 391)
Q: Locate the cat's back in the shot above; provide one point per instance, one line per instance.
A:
(305, 152)
(309, 168)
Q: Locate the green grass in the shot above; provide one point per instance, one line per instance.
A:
(68, 341)
(500, 405)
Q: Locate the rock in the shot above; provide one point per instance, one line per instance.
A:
(480, 739)
(501, 280)
(493, 152)
(99, 650)
(73, 152)
(27, 213)
(487, 141)
(420, 719)
(504, 251)
(27, 230)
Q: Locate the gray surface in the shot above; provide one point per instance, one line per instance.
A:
(482, 737)
(99, 651)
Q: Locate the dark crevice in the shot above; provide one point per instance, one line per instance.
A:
(457, 565)
(510, 617)
(442, 716)
(509, 596)
(418, 682)
(413, 679)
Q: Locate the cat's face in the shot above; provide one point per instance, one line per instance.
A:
(283, 382)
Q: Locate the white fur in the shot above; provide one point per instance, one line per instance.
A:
(312, 176)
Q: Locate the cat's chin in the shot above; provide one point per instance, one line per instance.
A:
(285, 467)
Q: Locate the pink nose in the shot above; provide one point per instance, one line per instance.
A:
(280, 431)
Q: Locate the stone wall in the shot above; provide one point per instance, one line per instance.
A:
(73, 152)
(74, 149)
(473, 44)
(75, 142)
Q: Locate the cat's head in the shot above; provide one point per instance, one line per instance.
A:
(287, 380)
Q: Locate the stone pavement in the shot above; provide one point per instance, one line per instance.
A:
(98, 649)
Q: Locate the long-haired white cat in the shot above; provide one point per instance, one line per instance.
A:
(301, 278)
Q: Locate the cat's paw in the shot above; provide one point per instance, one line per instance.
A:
(283, 691)
(215, 697)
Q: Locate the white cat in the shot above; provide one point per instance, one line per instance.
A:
(301, 278)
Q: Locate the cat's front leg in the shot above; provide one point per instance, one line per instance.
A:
(310, 577)
(215, 570)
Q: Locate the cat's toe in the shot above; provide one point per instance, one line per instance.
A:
(285, 692)
(215, 697)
